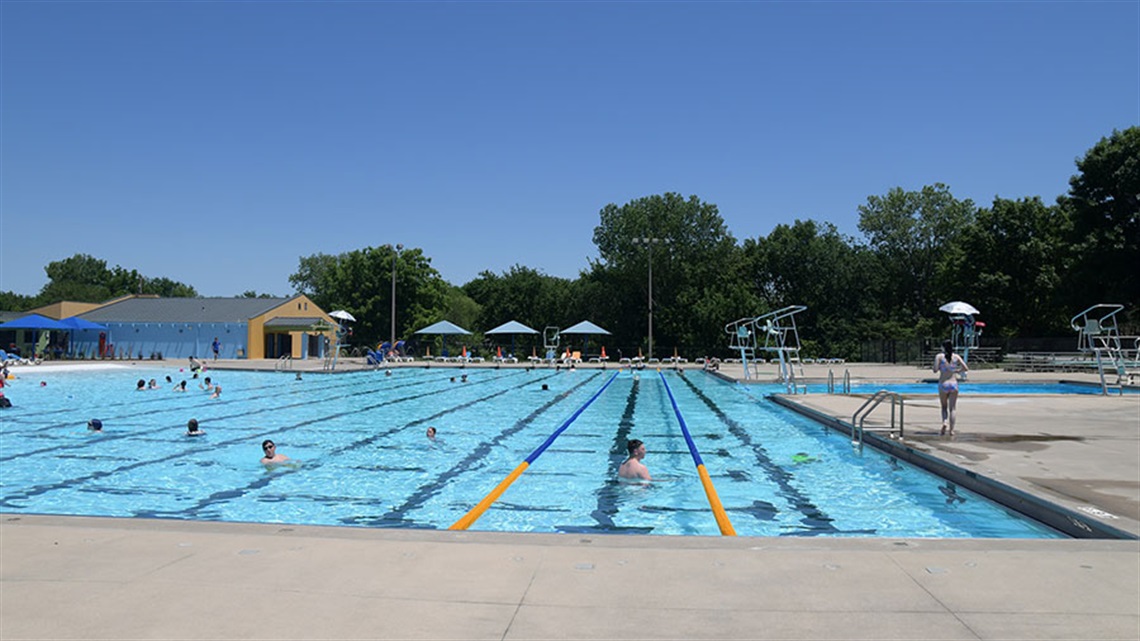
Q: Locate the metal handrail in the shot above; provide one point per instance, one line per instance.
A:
(869, 406)
(846, 382)
(285, 361)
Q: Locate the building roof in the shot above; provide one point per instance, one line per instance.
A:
(184, 310)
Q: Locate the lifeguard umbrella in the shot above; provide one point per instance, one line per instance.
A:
(586, 328)
(342, 315)
(958, 307)
(444, 329)
(513, 328)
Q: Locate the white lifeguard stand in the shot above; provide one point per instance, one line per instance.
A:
(966, 329)
(780, 335)
(1098, 333)
(551, 337)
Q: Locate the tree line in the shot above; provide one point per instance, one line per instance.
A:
(1027, 265)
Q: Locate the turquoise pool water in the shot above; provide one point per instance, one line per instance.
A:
(365, 461)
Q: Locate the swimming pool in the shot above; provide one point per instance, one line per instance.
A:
(365, 460)
(970, 387)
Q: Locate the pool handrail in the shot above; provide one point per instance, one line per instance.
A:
(719, 514)
(467, 520)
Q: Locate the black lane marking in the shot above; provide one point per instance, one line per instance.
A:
(36, 490)
(813, 518)
(221, 403)
(228, 495)
(398, 516)
(608, 493)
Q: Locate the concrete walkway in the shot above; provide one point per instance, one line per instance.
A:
(70, 577)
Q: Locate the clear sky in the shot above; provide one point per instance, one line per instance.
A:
(215, 143)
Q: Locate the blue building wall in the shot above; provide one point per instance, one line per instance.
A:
(170, 340)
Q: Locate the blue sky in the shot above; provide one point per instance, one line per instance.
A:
(215, 143)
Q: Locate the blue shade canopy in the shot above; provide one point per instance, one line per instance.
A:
(511, 327)
(585, 327)
(34, 321)
(75, 322)
(443, 327)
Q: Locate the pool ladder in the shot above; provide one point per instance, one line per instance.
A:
(284, 362)
(846, 382)
(868, 406)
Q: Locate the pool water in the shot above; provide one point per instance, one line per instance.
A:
(968, 387)
(364, 460)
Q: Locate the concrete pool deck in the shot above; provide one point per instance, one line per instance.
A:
(74, 577)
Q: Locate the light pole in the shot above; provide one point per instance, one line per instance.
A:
(395, 255)
(649, 243)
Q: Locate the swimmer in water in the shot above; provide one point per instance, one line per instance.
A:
(272, 458)
(633, 468)
(431, 433)
(192, 428)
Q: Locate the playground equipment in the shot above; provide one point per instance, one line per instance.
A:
(967, 330)
(1098, 333)
(780, 335)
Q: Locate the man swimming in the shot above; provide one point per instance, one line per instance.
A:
(271, 457)
(633, 468)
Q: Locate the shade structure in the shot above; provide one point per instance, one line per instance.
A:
(512, 327)
(442, 327)
(958, 307)
(342, 315)
(34, 321)
(585, 327)
(75, 322)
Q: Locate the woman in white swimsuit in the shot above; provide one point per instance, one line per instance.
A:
(948, 365)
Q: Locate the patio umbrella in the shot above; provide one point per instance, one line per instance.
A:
(342, 315)
(586, 328)
(958, 307)
(513, 328)
(444, 329)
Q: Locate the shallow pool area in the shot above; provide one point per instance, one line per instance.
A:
(363, 458)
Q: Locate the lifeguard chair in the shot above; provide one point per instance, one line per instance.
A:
(781, 337)
(966, 329)
(1097, 333)
(551, 337)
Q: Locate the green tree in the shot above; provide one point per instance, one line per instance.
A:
(812, 264)
(693, 267)
(1009, 264)
(13, 302)
(251, 293)
(522, 294)
(360, 282)
(88, 279)
(1104, 201)
(911, 233)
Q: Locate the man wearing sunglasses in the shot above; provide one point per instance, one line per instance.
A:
(271, 456)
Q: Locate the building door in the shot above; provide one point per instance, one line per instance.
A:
(278, 345)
